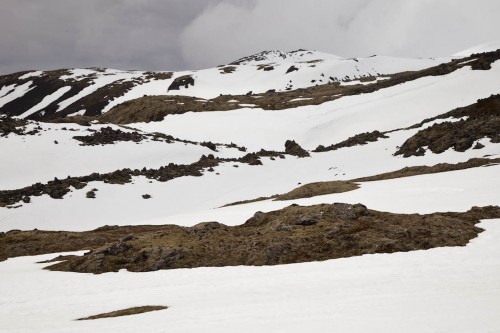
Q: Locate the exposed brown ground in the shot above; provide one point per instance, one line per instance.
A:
(359, 139)
(307, 191)
(14, 125)
(155, 108)
(127, 312)
(483, 121)
(289, 235)
(423, 170)
(339, 186)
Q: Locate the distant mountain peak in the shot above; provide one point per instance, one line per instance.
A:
(282, 56)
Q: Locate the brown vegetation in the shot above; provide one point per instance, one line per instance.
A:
(306, 191)
(482, 121)
(49, 82)
(319, 188)
(289, 235)
(155, 108)
(423, 170)
(127, 312)
(358, 139)
(340, 186)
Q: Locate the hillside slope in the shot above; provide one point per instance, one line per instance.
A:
(376, 180)
(53, 94)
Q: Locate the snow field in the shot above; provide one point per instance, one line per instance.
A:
(452, 289)
(332, 122)
(190, 200)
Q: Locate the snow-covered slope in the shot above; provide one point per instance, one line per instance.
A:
(486, 47)
(387, 109)
(451, 289)
(272, 70)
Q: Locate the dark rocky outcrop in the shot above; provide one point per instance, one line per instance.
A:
(359, 139)
(182, 81)
(480, 120)
(293, 148)
(107, 135)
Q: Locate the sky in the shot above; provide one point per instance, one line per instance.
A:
(193, 34)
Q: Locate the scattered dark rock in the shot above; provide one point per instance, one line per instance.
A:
(90, 195)
(350, 212)
(107, 135)
(209, 145)
(146, 196)
(478, 145)
(291, 69)
(14, 125)
(227, 69)
(293, 148)
(307, 220)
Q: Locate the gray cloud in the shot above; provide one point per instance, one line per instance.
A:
(419, 28)
(113, 33)
(180, 34)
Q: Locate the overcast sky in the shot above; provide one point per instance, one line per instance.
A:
(191, 34)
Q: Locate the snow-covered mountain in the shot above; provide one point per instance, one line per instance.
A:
(328, 164)
(52, 94)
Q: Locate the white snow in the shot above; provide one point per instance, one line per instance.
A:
(16, 92)
(38, 159)
(102, 79)
(6, 90)
(313, 68)
(300, 99)
(454, 289)
(154, 87)
(355, 82)
(78, 113)
(46, 101)
(195, 199)
(79, 74)
(332, 122)
(209, 83)
(276, 56)
(485, 47)
(30, 74)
